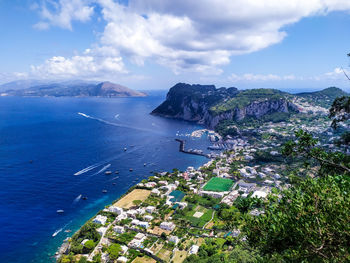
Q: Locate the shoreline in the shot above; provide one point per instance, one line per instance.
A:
(64, 247)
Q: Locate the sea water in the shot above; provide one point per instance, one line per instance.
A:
(54, 151)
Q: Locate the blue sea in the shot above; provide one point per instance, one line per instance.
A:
(54, 151)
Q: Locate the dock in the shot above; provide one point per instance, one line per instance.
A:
(195, 152)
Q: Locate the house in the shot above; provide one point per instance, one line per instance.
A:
(122, 259)
(167, 226)
(121, 217)
(259, 194)
(182, 205)
(150, 209)
(135, 243)
(174, 239)
(119, 229)
(148, 217)
(137, 222)
(193, 250)
(132, 213)
(155, 192)
(190, 169)
(101, 230)
(163, 182)
(115, 209)
(144, 224)
(140, 236)
(141, 211)
(213, 194)
(150, 184)
(276, 176)
(124, 249)
(99, 219)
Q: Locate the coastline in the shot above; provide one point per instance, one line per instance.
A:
(63, 249)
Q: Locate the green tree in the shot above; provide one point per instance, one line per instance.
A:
(310, 223)
(304, 147)
(83, 260)
(114, 250)
(89, 245)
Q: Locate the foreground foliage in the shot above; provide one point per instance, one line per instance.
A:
(310, 223)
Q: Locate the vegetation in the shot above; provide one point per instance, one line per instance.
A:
(246, 97)
(113, 251)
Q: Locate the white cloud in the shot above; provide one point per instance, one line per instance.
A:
(86, 66)
(11, 76)
(261, 77)
(186, 36)
(62, 13)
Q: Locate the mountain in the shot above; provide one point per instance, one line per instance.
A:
(207, 105)
(323, 97)
(75, 89)
(20, 84)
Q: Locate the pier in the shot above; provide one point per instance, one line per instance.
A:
(195, 152)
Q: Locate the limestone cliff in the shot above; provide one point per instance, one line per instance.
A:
(207, 105)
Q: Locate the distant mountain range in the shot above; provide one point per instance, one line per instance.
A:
(77, 88)
(208, 105)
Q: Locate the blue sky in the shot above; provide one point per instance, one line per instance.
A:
(152, 44)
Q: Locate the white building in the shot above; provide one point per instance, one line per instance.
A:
(213, 194)
(121, 217)
(167, 226)
(155, 192)
(132, 213)
(99, 219)
(259, 194)
(101, 230)
(150, 209)
(148, 217)
(124, 249)
(140, 236)
(151, 184)
(174, 239)
(119, 229)
(115, 209)
(193, 250)
(122, 259)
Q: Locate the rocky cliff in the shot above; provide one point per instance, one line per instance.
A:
(207, 105)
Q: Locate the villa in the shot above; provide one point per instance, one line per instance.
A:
(99, 219)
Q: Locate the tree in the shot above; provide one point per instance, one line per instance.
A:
(114, 250)
(89, 246)
(163, 236)
(305, 147)
(310, 223)
(136, 202)
(83, 260)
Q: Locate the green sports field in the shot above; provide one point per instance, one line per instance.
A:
(218, 184)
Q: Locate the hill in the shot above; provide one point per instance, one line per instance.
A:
(208, 105)
(75, 89)
(323, 97)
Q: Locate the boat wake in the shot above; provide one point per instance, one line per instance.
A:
(89, 168)
(56, 232)
(117, 124)
(103, 169)
(77, 199)
(60, 230)
(114, 178)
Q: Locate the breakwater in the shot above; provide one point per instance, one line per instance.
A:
(190, 151)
